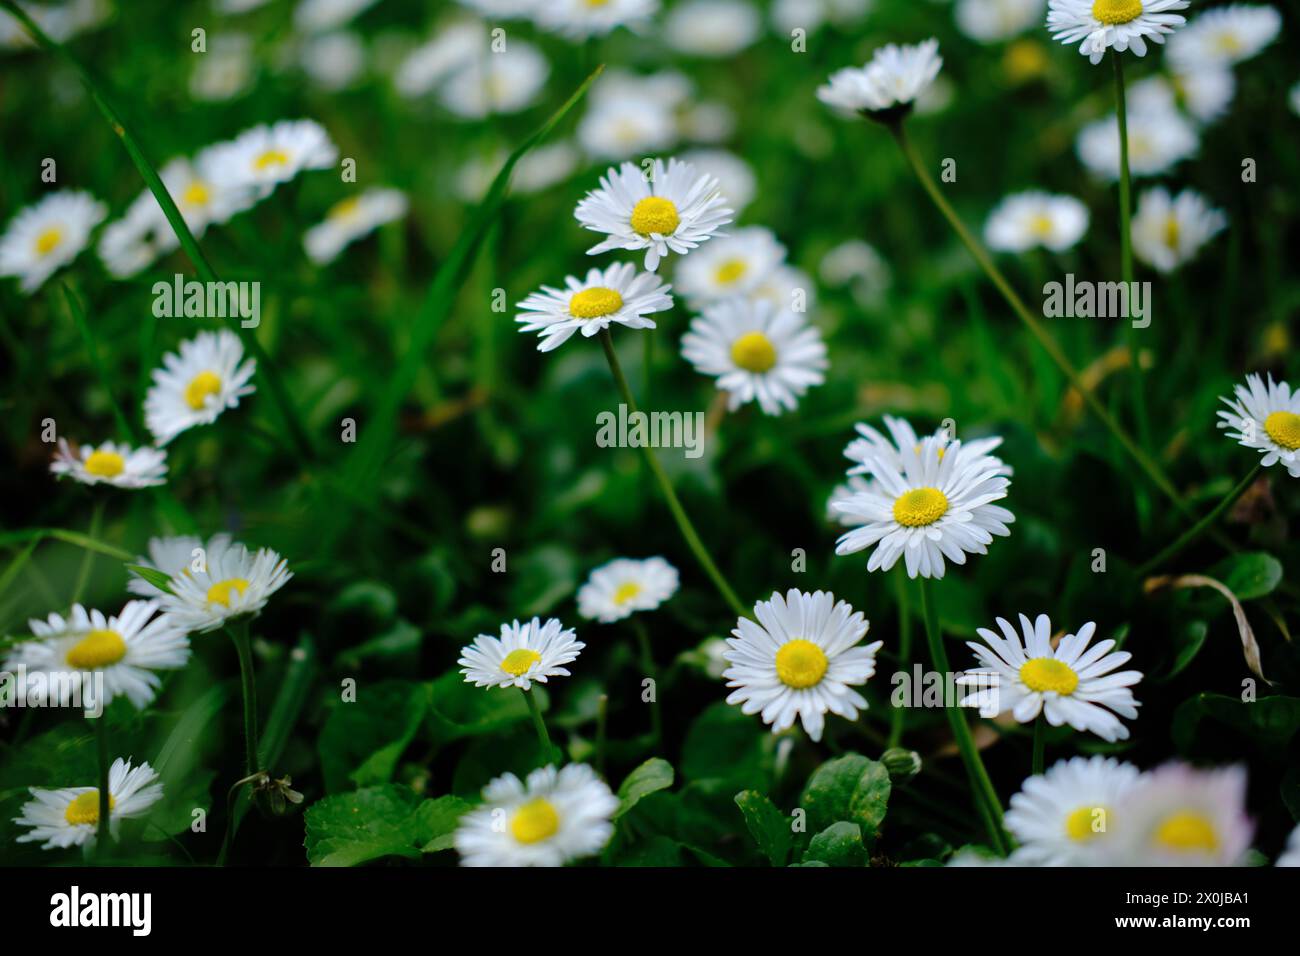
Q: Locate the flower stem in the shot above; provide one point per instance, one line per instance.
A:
(898, 715)
(101, 748)
(648, 666)
(243, 648)
(1126, 250)
(986, 798)
(602, 719)
(88, 559)
(1040, 743)
(1201, 526)
(1050, 345)
(538, 724)
(665, 486)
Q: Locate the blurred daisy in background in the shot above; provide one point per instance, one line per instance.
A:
(856, 263)
(812, 15)
(891, 81)
(1291, 855)
(125, 649)
(1224, 36)
(757, 352)
(173, 557)
(112, 463)
(351, 219)
(61, 21)
(333, 61)
(208, 375)
(549, 819)
(225, 71)
(633, 114)
(712, 28)
(502, 9)
(536, 170)
(1294, 98)
(424, 68)
(991, 21)
(1177, 815)
(1157, 141)
(504, 82)
(47, 235)
(1170, 230)
(673, 209)
(1027, 220)
(788, 288)
(632, 127)
(234, 582)
(1118, 24)
(734, 264)
(238, 6)
(1069, 684)
(736, 179)
(266, 156)
(70, 816)
(617, 589)
(800, 660)
(853, 485)
(524, 653)
(934, 501)
(579, 19)
(1265, 417)
(617, 294)
(315, 16)
(1205, 93)
(1069, 815)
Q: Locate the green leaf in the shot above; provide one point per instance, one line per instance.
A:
(655, 774)
(1188, 641)
(725, 744)
(438, 819)
(363, 740)
(851, 788)
(840, 844)
(155, 577)
(769, 827)
(1251, 575)
(458, 709)
(1269, 722)
(389, 820)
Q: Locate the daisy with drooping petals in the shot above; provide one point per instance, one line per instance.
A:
(1068, 815)
(757, 353)
(70, 816)
(1025, 220)
(1157, 141)
(617, 589)
(890, 82)
(1170, 230)
(46, 236)
(730, 265)
(1224, 36)
(1069, 684)
(550, 819)
(126, 649)
(579, 19)
(1265, 417)
(195, 385)
(524, 653)
(927, 503)
(231, 582)
(801, 659)
(1291, 855)
(174, 557)
(1177, 815)
(265, 156)
(351, 219)
(617, 294)
(674, 210)
(1121, 24)
(111, 463)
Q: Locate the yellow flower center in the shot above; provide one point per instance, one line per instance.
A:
(800, 663)
(345, 209)
(626, 592)
(517, 662)
(920, 507)
(1041, 226)
(593, 303)
(48, 241)
(754, 352)
(1117, 11)
(1172, 232)
(201, 386)
(1082, 823)
(655, 214)
(1284, 429)
(1228, 43)
(597, 3)
(85, 808)
(196, 194)
(97, 649)
(731, 271)
(105, 464)
(219, 593)
(534, 821)
(1025, 59)
(272, 157)
(1048, 674)
(1187, 830)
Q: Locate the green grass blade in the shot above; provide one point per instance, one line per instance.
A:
(128, 433)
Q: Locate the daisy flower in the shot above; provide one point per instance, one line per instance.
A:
(501, 9)
(70, 816)
(853, 485)
(125, 649)
(195, 385)
(1025, 220)
(1170, 230)
(1224, 36)
(111, 463)
(316, 15)
(351, 219)
(1157, 141)
(617, 294)
(504, 82)
(617, 589)
(174, 557)
(522, 654)
(263, 157)
(930, 502)
(233, 582)
(712, 28)
(1291, 855)
(632, 127)
(673, 209)
(1122, 24)
(731, 265)
(1205, 93)
(1068, 815)
(1265, 417)
(902, 442)
(46, 236)
(788, 288)
(549, 819)
(757, 352)
(1177, 815)
(1069, 684)
(801, 659)
(991, 21)
(424, 68)
(227, 70)
(890, 82)
(579, 19)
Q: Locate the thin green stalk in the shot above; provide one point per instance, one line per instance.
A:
(899, 714)
(648, 666)
(243, 648)
(602, 720)
(985, 796)
(101, 750)
(538, 724)
(1040, 743)
(88, 559)
(126, 432)
(1126, 251)
(1203, 525)
(665, 486)
(1144, 461)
